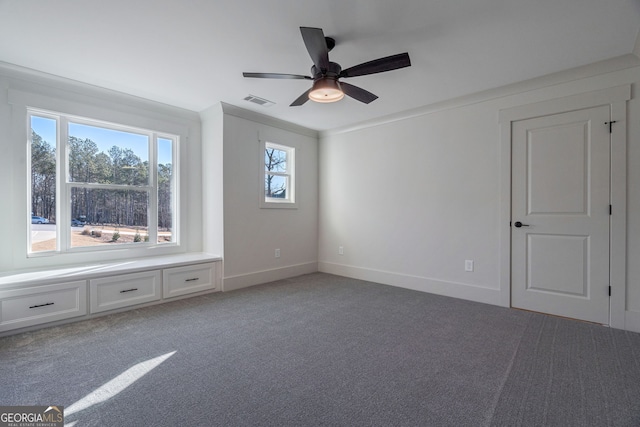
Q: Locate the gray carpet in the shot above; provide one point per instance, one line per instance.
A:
(327, 350)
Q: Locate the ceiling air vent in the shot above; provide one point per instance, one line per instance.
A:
(260, 101)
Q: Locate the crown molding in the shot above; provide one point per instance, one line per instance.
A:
(591, 70)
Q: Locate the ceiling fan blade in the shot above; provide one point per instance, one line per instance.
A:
(316, 46)
(358, 93)
(301, 99)
(276, 76)
(380, 65)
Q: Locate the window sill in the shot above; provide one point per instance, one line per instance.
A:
(266, 205)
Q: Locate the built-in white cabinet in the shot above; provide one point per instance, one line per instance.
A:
(35, 298)
(109, 293)
(186, 280)
(34, 305)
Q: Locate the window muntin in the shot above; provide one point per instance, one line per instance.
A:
(115, 185)
(279, 176)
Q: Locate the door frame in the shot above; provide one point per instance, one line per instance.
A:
(616, 98)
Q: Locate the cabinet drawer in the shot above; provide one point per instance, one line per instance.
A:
(20, 308)
(185, 280)
(113, 292)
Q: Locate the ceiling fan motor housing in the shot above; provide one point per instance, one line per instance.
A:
(332, 72)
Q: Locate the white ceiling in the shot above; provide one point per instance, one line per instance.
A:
(192, 53)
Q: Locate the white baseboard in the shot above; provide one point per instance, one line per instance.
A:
(240, 281)
(632, 321)
(439, 287)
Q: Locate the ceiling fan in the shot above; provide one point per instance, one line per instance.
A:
(327, 86)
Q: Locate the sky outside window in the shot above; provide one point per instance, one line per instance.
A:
(104, 138)
(43, 127)
(107, 138)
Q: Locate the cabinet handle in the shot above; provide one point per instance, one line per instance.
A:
(192, 280)
(41, 305)
(129, 290)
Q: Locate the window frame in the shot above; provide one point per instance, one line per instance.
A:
(290, 202)
(64, 186)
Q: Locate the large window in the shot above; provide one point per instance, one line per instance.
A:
(96, 185)
(279, 176)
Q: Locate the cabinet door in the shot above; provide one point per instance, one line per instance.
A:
(109, 293)
(34, 305)
(189, 279)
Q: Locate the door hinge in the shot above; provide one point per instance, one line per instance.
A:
(611, 125)
(609, 290)
(610, 209)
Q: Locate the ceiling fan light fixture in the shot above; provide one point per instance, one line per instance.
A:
(326, 90)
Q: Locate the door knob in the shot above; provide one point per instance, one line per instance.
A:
(518, 224)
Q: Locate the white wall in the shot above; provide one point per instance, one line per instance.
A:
(412, 196)
(252, 234)
(212, 180)
(411, 200)
(71, 97)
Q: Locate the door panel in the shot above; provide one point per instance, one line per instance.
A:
(560, 192)
(569, 278)
(556, 159)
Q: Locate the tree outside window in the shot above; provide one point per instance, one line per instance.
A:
(279, 179)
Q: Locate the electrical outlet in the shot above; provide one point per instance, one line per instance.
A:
(340, 250)
(277, 253)
(468, 265)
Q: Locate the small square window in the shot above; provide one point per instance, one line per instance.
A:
(278, 186)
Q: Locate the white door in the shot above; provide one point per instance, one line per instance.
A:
(560, 214)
